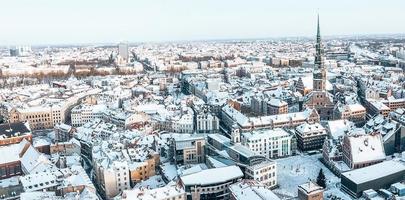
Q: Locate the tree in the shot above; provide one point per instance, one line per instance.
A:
(321, 179)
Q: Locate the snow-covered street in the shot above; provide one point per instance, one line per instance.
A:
(296, 170)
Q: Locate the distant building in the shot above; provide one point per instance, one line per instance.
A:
(123, 53)
(20, 51)
(310, 191)
(84, 113)
(353, 112)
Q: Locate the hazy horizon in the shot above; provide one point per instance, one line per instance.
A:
(47, 22)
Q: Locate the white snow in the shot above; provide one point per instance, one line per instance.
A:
(297, 170)
(213, 176)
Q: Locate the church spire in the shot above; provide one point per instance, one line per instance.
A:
(318, 46)
(319, 74)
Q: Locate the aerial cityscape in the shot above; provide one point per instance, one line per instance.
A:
(292, 116)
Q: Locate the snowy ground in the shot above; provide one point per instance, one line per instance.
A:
(296, 170)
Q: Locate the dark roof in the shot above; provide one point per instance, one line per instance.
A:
(18, 127)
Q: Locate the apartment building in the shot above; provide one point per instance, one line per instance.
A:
(264, 173)
(310, 136)
(112, 179)
(188, 149)
(375, 107)
(276, 107)
(207, 123)
(353, 112)
(84, 113)
(269, 143)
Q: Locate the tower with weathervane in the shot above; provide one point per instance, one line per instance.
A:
(319, 98)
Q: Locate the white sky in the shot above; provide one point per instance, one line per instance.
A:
(111, 21)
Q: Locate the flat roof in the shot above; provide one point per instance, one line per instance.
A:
(213, 176)
(375, 172)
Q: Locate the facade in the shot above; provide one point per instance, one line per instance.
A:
(377, 176)
(265, 173)
(84, 113)
(188, 150)
(361, 150)
(268, 143)
(12, 165)
(231, 116)
(39, 117)
(310, 136)
(142, 170)
(377, 107)
(207, 123)
(46, 116)
(112, 179)
(393, 103)
(310, 191)
(184, 124)
(63, 132)
(277, 106)
(353, 112)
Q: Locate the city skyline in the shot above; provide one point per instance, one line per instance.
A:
(50, 22)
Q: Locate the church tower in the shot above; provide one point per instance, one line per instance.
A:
(319, 74)
(319, 98)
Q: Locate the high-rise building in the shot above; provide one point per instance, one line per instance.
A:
(123, 52)
(319, 98)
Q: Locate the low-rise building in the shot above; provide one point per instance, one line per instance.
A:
(310, 191)
(164, 193)
(276, 107)
(265, 173)
(250, 189)
(377, 176)
(13, 133)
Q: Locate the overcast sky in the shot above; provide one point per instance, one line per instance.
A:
(101, 21)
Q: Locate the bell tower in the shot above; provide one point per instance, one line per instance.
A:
(319, 74)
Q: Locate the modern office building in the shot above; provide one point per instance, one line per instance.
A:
(377, 176)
